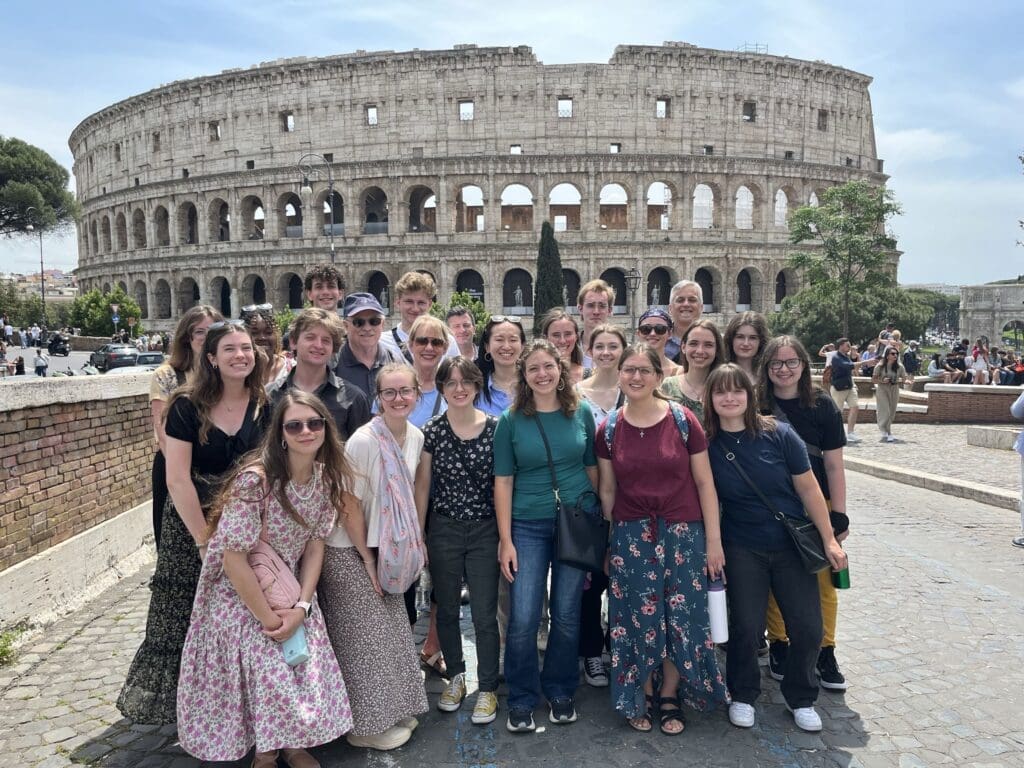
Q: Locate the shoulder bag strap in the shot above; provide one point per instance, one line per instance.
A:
(437, 402)
(551, 461)
(731, 458)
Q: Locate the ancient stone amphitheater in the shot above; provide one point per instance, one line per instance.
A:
(676, 161)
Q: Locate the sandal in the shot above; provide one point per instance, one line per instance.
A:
(634, 722)
(668, 715)
(434, 662)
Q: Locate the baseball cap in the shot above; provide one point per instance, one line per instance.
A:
(360, 302)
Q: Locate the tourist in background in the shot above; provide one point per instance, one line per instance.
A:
(888, 374)
(501, 343)
(745, 338)
(703, 351)
(843, 388)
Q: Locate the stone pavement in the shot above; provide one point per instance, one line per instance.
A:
(931, 638)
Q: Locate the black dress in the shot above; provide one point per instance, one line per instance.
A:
(150, 692)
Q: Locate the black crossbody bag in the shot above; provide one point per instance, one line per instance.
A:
(581, 532)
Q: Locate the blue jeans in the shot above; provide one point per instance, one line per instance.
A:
(534, 541)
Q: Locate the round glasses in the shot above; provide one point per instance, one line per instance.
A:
(406, 393)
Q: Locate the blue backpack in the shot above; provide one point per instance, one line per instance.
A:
(677, 415)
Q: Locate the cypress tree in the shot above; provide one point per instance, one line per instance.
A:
(550, 283)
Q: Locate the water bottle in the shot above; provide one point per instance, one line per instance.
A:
(295, 649)
(717, 611)
(841, 579)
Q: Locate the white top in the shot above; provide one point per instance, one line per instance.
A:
(363, 453)
(387, 339)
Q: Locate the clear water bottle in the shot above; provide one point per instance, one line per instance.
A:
(717, 611)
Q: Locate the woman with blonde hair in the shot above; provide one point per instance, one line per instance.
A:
(558, 327)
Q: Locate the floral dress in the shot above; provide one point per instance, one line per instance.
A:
(235, 689)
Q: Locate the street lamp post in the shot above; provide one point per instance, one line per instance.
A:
(632, 283)
(307, 168)
(42, 272)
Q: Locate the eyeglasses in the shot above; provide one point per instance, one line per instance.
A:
(647, 330)
(630, 372)
(596, 305)
(451, 385)
(777, 365)
(359, 322)
(497, 319)
(423, 341)
(225, 323)
(387, 395)
(314, 425)
(253, 308)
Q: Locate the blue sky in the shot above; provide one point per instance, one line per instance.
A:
(948, 89)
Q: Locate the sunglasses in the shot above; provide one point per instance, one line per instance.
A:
(224, 324)
(647, 330)
(423, 341)
(359, 322)
(295, 427)
(249, 309)
(497, 319)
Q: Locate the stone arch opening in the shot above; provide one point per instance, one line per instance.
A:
(613, 206)
(571, 290)
(703, 207)
(375, 211)
(1013, 333)
(141, 297)
(123, 286)
(517, 292)
(564, 204)
(162, 298)
(748, 289)
(469, 209)
(659, 207)
(744, 208)
(188, 224)
(219, 217)
(162, 221)
(188, 295)
(138, 228)
(705, 277)
(220, 295)
(785, 285)
(93, 236)
(106, 288)
(472, 282)
(781, 210)
(253, 218)
(422, 209)
(517, 209)
(254, 290)
(121, 232)
(659, 286)
(289, 291)
(105, 233)
(289, 215)
(378, 285)
(332, 202)
(616, 278)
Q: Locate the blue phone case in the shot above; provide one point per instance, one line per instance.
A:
(295, 649)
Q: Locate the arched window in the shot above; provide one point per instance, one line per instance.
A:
(516, 208)
(253, 218)
(221, 295)
(564, 207)
(781, 208)
(163, 225)
(188, 224)
(617, 280)
(659, 286)
(613, 207)
(105, 233)
(703, 207)
(162, 297)
(290, 223)
(337, 205)
(743, 291)
(219, 218)
(188, 295)
(470, 281)
(517, 292)
(469, 209)
(141, 298)
(744, 208)
(706, 281)
(138, 228)
(121, 230)
(572, 283)
(254, 290)
(379, 286)
(659, 207)
(422, 210)
(375, 211)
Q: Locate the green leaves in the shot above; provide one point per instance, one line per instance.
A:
(463, 299)
(550, 282)
(91, 312)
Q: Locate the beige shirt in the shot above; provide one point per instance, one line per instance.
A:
(363, 453)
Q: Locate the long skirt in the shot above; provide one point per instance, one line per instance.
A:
(150, 692)
(373, 642)
(658, 610)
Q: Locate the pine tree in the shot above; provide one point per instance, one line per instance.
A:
(548, 290)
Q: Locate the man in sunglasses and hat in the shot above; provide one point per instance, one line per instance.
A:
(363, 354)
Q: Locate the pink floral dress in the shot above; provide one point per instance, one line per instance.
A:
(234, 688)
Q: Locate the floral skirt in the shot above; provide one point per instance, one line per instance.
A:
(658, 610)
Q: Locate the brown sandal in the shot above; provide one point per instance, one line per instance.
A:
(434, 662)
(648, 716)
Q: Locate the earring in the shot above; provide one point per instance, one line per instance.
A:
(216, 367)
(561, 385)
(284, 445)
(487, 357)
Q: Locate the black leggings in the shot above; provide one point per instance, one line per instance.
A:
(159, 479)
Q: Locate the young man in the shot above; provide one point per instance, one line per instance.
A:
(686, 303)
(316, 337)
(460, 323)
(595, 303)
(843, 389)
(325, 287)
(414, 291)
(363, 354)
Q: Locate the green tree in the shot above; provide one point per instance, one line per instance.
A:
(462, 299)
(30, 178)
(945, 309)
(550, 283)
(855, 250)
(91, 312)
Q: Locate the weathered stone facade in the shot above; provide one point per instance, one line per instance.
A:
(986, 310)
(681, 161)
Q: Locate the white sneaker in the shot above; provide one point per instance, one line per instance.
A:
(741, 715)
(890, 439)
(392, 738)
(806, 718)
(852, 437)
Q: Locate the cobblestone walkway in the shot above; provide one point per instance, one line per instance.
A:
(931, 638)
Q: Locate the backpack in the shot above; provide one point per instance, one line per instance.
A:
(677, 415)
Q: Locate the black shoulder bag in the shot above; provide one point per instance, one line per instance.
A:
(804, 533)
(581, 532)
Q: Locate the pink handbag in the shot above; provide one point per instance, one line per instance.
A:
(276, 580)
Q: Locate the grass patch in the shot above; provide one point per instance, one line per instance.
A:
(8, 639)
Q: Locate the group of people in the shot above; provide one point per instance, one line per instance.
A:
(366, 450)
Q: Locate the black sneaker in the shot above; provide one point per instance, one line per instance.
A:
(594, 672)
(777, 653)
(762, 646)
(520, 721)
(563, 711)
(828, 670)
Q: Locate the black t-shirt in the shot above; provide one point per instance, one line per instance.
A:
(820, 426)
(462, 471)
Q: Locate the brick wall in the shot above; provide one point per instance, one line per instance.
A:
(73, 453)
(965, 404)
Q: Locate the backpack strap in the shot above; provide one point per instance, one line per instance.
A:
(402, 346)
(681, 423)
(609, 427)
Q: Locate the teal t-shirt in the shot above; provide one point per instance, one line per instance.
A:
(519, 453)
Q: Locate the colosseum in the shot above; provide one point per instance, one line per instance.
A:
(674, 160)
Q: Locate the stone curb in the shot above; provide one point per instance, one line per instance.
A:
(963, 489)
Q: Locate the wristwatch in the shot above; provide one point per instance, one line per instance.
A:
(307, 607)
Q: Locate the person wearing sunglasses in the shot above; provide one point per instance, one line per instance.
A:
(237, 691)
(888, 374)
(428, 343)
(369, 628)
(316, 335)
(414, 293)
(211, 422)
(501, 342)
(653, 329)
(363, 354)
(745, 338)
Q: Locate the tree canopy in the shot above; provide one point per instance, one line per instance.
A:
(550, 281)
(91, 312)
(30, 178)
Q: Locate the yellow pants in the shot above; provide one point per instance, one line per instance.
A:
(829, 610)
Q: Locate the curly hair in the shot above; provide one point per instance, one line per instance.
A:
(568, 402)
(325, 273)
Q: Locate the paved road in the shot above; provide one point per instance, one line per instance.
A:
(931, 638)
(74, 361)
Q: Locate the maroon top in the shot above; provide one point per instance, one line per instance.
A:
(652, 473)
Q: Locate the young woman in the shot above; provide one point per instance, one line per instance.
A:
(428, 343)
(561, 330)
(369, 628)
(653, 329)
(937, 369)
(501, 342)
(546, 410)
(211, 422)
(186, 351)
(236, 689)
(785, 391)
(758, 549)
(888, 374)
(702, 351)
(745, 339)
(267, 336)
(455, 480)
(656, 488)
(602, 393)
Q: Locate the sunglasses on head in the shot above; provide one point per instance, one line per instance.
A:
(224, 323)
(359, 322)
(295, 427)
(250, 309)
(497, 319)
(646, 330)
(423, 341)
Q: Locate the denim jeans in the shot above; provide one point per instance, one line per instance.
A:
(534, 541)
(751, 573)
(457, 549)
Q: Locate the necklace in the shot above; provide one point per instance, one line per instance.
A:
(732, 436)
(309, 486)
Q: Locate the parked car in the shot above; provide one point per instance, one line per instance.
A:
(114, 356)
(150, 358)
